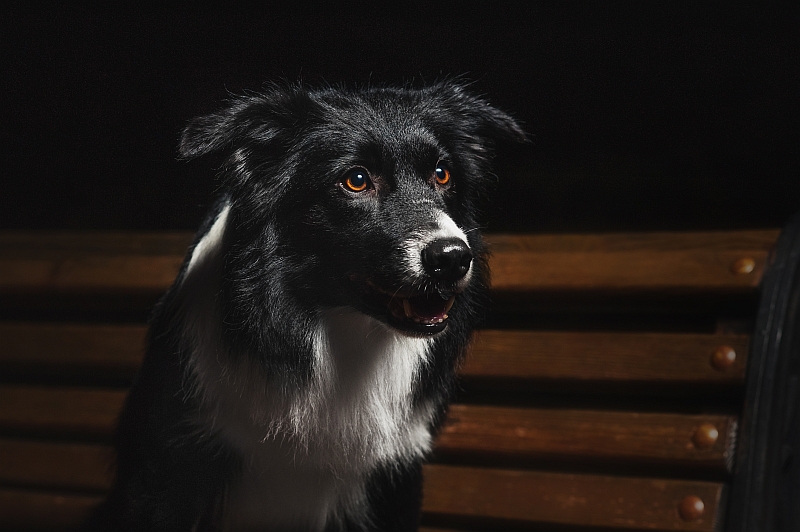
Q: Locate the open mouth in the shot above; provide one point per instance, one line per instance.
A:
(425, 313)
(421, 313)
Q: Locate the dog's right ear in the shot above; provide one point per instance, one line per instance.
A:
(246, 120)
(213, 132)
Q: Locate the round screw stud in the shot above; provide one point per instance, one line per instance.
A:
(723, 357)
(743, 266)
(705, 436)
(691, 508)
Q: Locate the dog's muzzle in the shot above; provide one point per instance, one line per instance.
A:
(422, 308)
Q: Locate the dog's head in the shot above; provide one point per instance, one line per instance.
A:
(364, 198)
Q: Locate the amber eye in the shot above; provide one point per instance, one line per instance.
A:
(442, 174)
(356, 180)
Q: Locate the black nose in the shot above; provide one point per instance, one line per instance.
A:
(446, 259)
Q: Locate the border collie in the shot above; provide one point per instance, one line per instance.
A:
(301, 362)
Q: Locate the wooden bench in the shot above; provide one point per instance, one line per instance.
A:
(624, 382)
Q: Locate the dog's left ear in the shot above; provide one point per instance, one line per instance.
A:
(486, 120)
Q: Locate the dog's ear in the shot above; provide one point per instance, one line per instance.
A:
(258, 118)
(244, 117)
(498, 124)
(484, 119)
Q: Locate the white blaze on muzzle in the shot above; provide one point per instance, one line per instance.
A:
(445, 228)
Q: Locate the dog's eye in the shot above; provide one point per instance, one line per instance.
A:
(442, 174)
(356, 180)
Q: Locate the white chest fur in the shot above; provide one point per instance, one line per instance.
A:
(306, 452)
(356, 414)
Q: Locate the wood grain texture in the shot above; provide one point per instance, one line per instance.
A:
(106, 349)
(27, 244)
(38, 510)
(759, 239)
(600, 356)
(131, 273)
(634, 261)
(66, 465)
(565, 499)
(652, 438)
(93, 262)
(54, 411)
(483, 430)
(517, 354)
(646, 261)
(529, 496)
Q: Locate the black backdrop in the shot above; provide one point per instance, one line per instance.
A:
(667, 117)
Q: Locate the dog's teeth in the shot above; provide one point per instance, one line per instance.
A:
(449, 305)
(444, 317)
(407, 308)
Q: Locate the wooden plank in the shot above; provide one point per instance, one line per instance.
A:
(35, 510)
(639, 357)
(648, 261)
(630, 271)
(519, 432)
(93, 262)
(53, 347)
(449, 491)
(643, 261)
(65, 465)
(59, 411)
(110, 243)
(130, 273)
(652, 438)
(757, 239)
(605, 357)
(456, 493)
(483, 430)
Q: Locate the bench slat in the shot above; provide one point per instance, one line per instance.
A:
(510, 432)
(52, 347)
(492, 494)
(60, 243)
(35, 510)
(590, 434)
(89, 274)
(41, 464)
(565, 499)
(609, 357)
(662, 241)
(60, 411)
(654, 261)
(645, 261)
(648, 271)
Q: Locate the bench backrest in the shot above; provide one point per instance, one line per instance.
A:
(606, 391)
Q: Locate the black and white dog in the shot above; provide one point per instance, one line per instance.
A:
(299, 365)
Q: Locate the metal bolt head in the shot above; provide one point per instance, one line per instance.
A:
(743, 266)
(691, 508)
(705, 436)
(723, 357)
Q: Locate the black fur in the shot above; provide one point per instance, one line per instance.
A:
(296, 244)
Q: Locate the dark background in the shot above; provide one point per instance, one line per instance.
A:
(642, 116)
